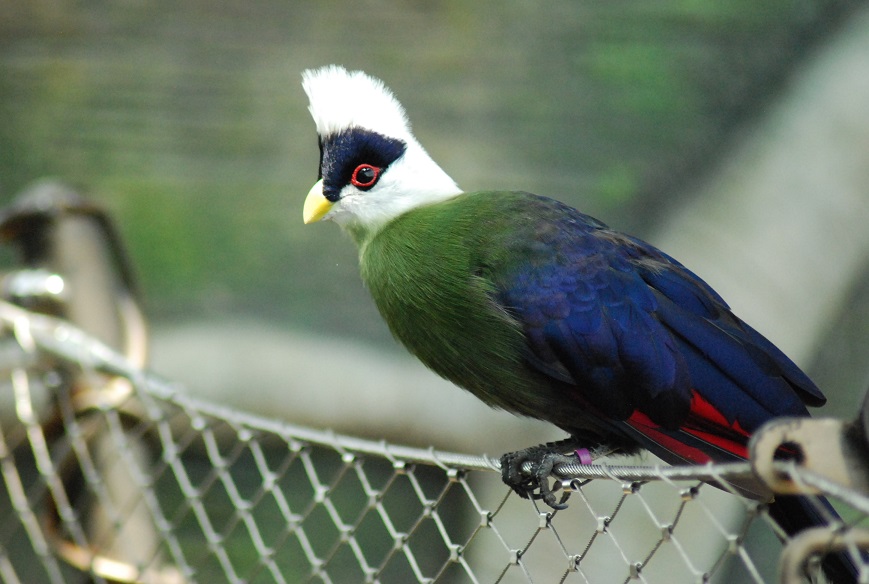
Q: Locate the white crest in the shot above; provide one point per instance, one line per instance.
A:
(342, 99)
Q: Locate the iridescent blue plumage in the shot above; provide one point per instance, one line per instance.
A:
(631, 328)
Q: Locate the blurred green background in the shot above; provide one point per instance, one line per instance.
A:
(188, 121)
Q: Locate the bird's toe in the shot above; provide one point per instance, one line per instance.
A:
(532, 481)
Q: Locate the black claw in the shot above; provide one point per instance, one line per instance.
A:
(535, 485)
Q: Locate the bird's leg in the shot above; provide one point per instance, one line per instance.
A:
(543, 458)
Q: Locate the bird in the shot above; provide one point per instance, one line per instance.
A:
(543, 311)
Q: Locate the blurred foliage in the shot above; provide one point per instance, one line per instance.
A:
(188, 121)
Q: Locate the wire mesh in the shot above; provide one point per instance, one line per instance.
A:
(113, 474)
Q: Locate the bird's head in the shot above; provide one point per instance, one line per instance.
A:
(372, 169)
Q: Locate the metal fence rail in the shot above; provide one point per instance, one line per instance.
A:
(111, 474)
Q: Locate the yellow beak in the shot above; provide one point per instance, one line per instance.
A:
(316, 205)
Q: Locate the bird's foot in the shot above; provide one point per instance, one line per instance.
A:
(543, 458)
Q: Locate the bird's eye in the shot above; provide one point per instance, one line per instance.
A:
(365, 176)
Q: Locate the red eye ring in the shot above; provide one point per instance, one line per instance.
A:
(364, 176)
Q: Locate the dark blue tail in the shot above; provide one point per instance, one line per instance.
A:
(795, 513)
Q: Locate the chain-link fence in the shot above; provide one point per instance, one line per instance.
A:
(111, 474)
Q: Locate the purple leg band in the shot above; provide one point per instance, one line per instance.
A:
(583, 455)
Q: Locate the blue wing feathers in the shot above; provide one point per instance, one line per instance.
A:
(636, 330)
(647, 351)
(718, 346)
(809, 392)
(683, 291)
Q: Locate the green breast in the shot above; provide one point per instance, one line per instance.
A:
(427, 273)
